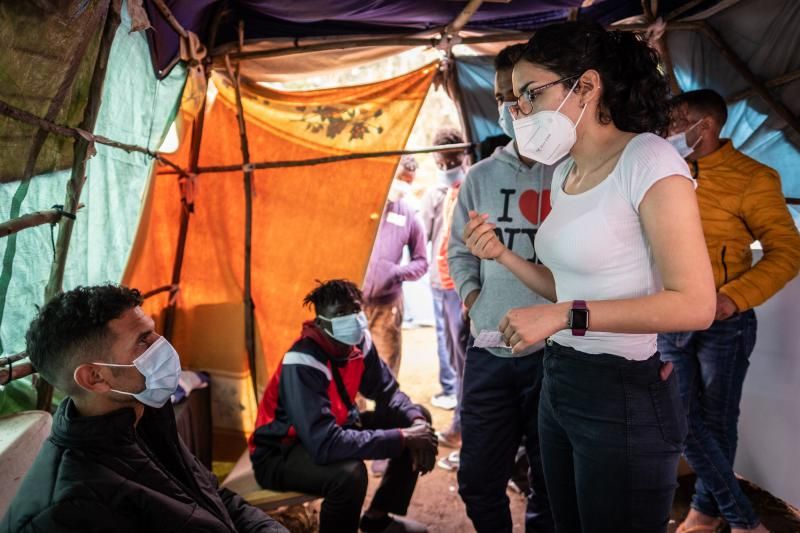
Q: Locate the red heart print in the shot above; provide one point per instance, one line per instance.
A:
(529, 205)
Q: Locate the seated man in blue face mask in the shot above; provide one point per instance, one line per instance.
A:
(311, 438)
(114, 461)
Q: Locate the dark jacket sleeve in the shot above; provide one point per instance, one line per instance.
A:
(73, 516)
(379, 384)
(246, 517)
(418, 265)
(304, 395)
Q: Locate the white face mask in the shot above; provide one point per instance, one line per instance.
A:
(348, 329)
(398, 190)
(161, 368)
(679, 141)
(451, 177)
(506, 121)
(547, 136)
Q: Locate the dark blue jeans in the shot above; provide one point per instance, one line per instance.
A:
(500, 405)
(611, 433)
(711, 366)
(447, 315)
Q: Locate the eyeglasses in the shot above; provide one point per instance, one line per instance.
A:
(524, 105)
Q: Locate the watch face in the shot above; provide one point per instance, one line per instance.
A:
(579, 319)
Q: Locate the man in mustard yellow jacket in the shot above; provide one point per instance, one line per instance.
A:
(740, 202)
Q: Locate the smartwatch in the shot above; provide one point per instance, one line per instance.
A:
(578, 318)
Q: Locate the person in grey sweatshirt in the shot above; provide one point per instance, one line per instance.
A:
(500, 392)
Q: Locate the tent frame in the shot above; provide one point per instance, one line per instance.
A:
(449, 36)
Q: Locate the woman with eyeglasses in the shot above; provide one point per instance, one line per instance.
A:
(623, 259)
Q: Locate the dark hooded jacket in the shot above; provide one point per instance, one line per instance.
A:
(103, 474)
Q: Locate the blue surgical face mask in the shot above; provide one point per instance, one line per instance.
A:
(506, 121)
(161, 368)
(348, 329)
(679, 141)
(451, 177)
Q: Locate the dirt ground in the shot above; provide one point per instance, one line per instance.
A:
(436, 501)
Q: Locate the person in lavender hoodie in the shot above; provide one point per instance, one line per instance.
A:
(383, 285)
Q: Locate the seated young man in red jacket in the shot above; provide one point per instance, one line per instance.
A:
(311, 438)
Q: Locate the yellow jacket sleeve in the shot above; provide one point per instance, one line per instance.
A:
(769, 221)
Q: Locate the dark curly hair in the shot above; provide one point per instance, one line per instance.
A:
(635, 92)
(508, 56)
(332, 292)
(71, 329)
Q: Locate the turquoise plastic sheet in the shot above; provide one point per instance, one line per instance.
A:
(136, 109)
(476, 82)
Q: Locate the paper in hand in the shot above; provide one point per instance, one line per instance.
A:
(490, 339)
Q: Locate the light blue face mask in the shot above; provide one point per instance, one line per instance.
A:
(348, 329)
(505, 120)
(451, 177)
(679, 141)
(161, 368)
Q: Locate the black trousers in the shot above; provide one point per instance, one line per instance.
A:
(343, 485)
(611, 432)
(500, 406)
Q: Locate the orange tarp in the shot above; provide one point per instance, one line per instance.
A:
(314, 222)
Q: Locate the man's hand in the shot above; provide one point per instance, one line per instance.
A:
(468, 303)
(470, 299)
(421, 441)
(480, 238)
(423, 461)
(726, 307)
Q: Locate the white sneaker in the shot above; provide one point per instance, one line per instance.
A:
(451, 462)
(447, 402)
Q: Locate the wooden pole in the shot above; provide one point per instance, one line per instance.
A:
(170, 18)
(771, 84)
(745, 72)
(677, 12)
(159, 290)
(663, 49)
(461, 20)
(650, 10)
(694, 3)
(407, 41)
(78, 178)
(249, 309)
(410, 42)
(187, 208)
(77, 133)
(12, 359)
(671, 26)
(330, 159)
(31, 220)
(9, 371)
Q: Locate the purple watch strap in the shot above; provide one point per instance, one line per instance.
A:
(579, 305)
